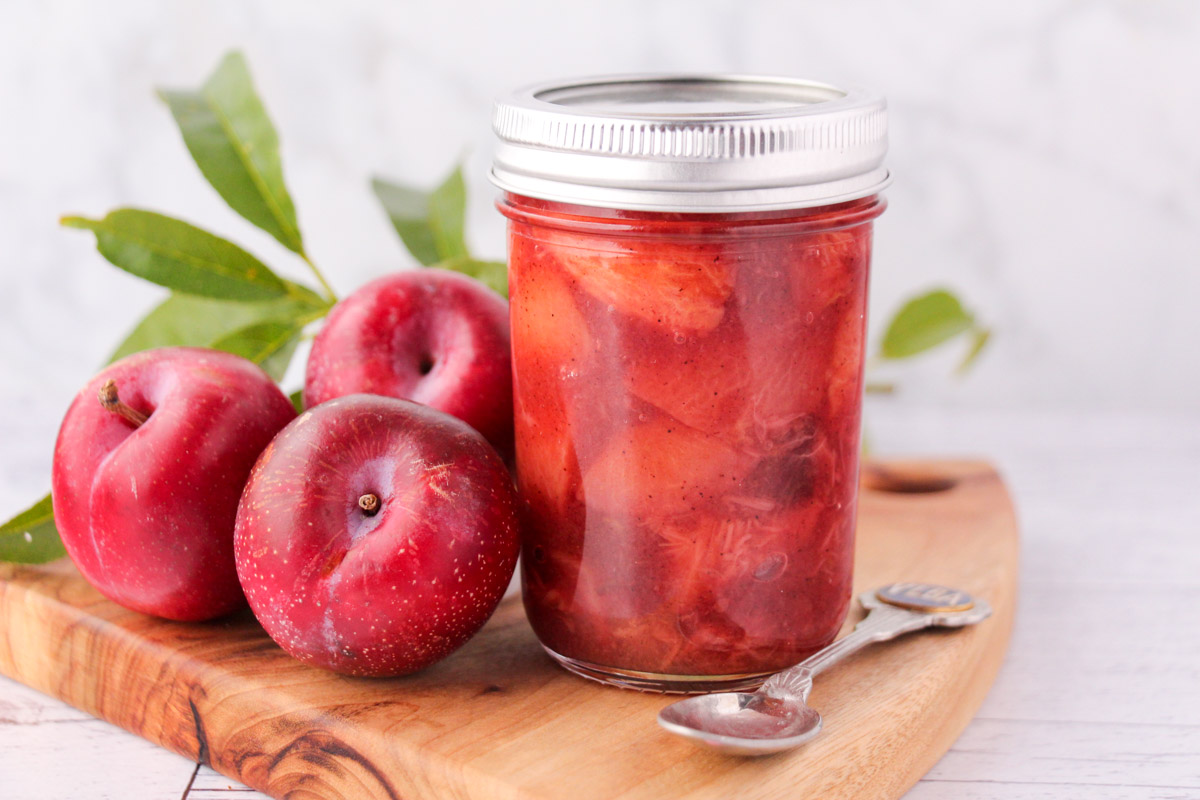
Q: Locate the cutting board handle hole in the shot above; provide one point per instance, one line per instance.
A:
(905, 480)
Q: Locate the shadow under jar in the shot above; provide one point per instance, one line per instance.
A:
(688, 261)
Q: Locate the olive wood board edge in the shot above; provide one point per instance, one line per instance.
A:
(498, 720)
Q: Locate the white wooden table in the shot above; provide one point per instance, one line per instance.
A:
(1099, 698)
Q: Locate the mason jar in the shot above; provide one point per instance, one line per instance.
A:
(688, 260)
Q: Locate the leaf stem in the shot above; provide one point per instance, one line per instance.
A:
(980, 336)
(330, 295)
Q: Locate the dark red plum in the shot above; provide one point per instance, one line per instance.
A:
(429, 335)
(376, 535)
(146, 483)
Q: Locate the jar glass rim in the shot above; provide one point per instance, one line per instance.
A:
(641, 224)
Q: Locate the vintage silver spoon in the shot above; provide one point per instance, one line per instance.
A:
(777, 717)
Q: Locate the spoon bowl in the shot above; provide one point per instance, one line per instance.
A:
(742, 723)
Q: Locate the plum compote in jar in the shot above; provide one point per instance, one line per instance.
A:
(688, 262)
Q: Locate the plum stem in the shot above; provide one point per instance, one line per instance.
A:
(112, 402)
(369, 503)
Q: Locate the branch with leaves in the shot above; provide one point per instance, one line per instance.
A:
(222, 296)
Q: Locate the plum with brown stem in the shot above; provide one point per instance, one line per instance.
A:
(376, 535)
(149, 466)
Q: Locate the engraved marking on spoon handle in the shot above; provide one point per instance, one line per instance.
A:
(880, 625)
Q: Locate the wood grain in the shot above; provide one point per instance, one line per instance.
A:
(497, 719)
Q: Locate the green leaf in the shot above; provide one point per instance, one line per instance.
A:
(180, 256)
(269, 344)
(31, 537)
(429, 223)
(236, 147)
(979, 339)
(305, 298)
(184, 319)
(448, 216)
(408, 210)
(925, 322)
(193, 321)
(297, 398)
(492, 273)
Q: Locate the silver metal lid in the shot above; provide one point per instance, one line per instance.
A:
(697, 143)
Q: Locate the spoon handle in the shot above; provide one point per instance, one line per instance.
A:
(879, 625)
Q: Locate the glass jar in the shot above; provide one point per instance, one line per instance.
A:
(688, 264)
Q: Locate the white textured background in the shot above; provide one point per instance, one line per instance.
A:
(1045, 155)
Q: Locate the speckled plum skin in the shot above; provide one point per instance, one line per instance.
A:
(429, 335)
(378, 595)
(147, 513)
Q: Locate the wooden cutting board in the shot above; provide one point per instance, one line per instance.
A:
(498, 720)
